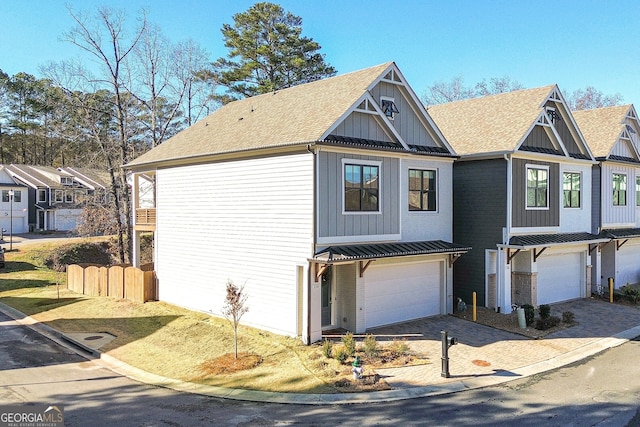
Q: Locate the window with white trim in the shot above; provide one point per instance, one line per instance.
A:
(537, 187)
(42, 196)
(571, 189)
(58, 196)
(68, 196)
(17, 196)
(361, 187)
(422, 190)
(619, 189)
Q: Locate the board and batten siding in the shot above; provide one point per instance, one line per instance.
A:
(406, 122)
(249, 221)
(361, 125)
(479, 215)
(616, 216)
(336, 226)
(523, 217)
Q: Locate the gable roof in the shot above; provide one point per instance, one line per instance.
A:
(49, 177)
(602, 127)
(297, 115)
(495, 123)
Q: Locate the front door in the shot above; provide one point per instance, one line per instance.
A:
(326, 297)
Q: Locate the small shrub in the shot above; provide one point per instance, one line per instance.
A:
(349, 343)
(370, 346)
(631, 293)
(327, 349)
(341, 354)
(545, 311)
(79, 253)
(529, 314)
(398, 348)
(568, 317)
(543, 324)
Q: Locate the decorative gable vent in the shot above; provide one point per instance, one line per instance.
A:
(553, 115)
(389, 107)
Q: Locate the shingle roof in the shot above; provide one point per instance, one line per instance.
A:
(299, 114)
(495, 123)
(601, 127)
(387, 250)
(554, 239)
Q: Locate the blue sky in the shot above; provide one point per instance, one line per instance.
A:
(574, 43)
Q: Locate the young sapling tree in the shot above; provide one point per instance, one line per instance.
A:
(234, 308)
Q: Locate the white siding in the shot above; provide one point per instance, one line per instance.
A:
(438, 225)
(249, 221)
(576, 219)
(617, 216)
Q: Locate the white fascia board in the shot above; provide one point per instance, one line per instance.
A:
(573, 129)
(388, 126)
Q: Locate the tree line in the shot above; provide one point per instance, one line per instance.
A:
(143, 88)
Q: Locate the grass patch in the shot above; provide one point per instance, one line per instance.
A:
(165, 339)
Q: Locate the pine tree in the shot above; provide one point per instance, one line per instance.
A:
(267, 52)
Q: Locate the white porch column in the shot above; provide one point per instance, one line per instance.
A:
(596, 270)
(503, 282)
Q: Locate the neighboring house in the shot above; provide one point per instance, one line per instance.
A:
(612, 134)
(54, 197)
(522, 198)
(330, 202)
(13, 205)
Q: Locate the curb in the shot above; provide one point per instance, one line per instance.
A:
(471, 383)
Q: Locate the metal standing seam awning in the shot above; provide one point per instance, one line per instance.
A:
(367, 253)
(620, 235)
(544, 241)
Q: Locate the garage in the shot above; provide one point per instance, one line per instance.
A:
(560, 277)
(628, 263)
(400, 292)
(18, 225)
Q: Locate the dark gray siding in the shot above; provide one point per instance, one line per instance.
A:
(522, 217)
(332, 222)
(596, 202)
(479, 215)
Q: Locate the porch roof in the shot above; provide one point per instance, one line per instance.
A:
(621, 233)
(387, 250)
(537, 240)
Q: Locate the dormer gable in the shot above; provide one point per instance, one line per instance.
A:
(612, 132)
(560, 134)
(534, 120)
(389, 115)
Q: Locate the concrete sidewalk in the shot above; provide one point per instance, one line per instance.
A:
(484, 356)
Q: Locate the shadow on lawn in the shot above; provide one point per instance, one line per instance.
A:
(16, 266)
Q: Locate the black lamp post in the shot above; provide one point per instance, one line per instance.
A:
(11, 220)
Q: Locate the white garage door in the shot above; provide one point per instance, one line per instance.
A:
(560, 277)
(396, 293)
(18, 225)
(628, 264)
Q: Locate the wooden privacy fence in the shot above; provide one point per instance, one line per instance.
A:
(127, 282)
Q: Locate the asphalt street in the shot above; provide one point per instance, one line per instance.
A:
(603, 390)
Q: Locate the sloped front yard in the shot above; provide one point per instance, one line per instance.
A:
(178, 343)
